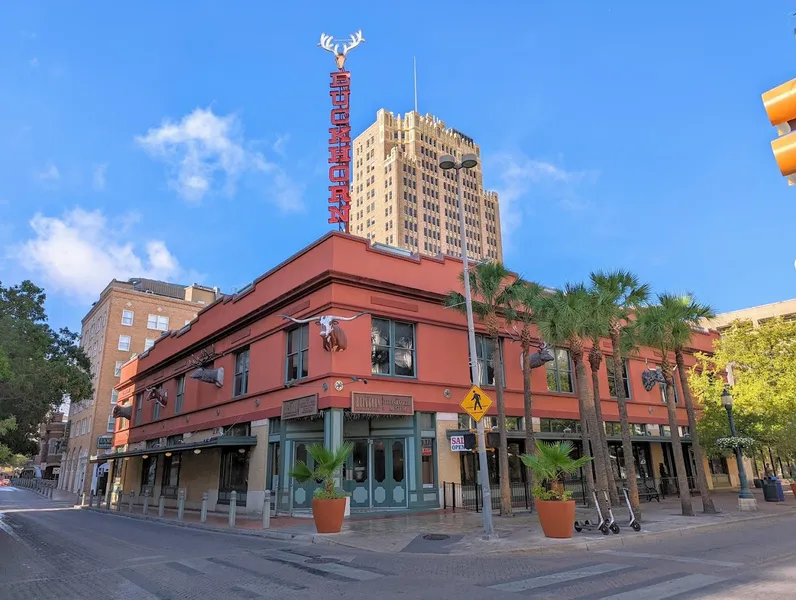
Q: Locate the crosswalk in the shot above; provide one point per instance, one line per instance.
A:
(632, 583)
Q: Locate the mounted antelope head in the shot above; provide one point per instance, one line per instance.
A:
(334, 339)
(202, 372)
(122, 412)
(327, 43)
(649, 377)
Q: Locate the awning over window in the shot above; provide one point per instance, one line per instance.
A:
(218, 442)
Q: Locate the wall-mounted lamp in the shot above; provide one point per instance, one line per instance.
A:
(145, 456)
(197, 451)
(242, 450)
(168, 453)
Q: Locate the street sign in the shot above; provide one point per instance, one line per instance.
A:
(476, 403)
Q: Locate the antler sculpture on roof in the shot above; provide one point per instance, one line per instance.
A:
(327, 43)
(334, 339)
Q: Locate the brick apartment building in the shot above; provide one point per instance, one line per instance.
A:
(126, 320)
(51, 433)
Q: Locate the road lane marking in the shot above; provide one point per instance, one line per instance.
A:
(683, 559)
(667, 589)
(324, 569)
(254, 572)
(553, 578)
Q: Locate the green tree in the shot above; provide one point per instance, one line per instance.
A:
(523, 304)
(762, 367)
(617, 294)
(327, 466)
(686, 314)
(654, 328)
(39, 366)
(564, 318)
(492, 288)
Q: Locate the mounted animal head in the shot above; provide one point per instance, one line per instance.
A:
(158, 395)
(327, 43)
(649, 377)
(202, 363)
(122, 412)
(544, 355)
(334, 339)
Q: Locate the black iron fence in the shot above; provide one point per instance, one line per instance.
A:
(469, 496)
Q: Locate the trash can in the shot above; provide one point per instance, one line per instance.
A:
(780, 493)
(770, 492)
(758, 483)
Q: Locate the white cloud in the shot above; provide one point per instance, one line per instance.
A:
(281, 141)
(204, 147)
(521, 176)
(98, 178)
(49, 174)
(78, 254)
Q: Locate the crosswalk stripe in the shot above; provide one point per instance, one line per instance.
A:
(683, 559)
(667, 589)
(553, 578)
(332, 568)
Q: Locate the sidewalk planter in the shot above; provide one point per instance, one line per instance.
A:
(556, 517)
(328, 514)
(793, 488)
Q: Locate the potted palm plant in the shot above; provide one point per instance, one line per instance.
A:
(549, 463)
(329, 503)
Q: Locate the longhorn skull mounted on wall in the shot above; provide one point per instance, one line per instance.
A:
(334, 339)
(202, 372)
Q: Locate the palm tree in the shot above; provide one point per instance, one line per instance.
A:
(523, 304)
(654, 328)
(597, 327)
(327, 465)
(551, 462)
(686, 314)
(491, 288)
(563, 318)
(619, 292)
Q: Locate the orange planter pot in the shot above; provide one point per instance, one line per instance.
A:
(328, 514)
(557, 518)
(793, 488)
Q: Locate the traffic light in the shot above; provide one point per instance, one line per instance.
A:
(780, 105)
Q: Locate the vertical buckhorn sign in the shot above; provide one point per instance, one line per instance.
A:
(340, 131)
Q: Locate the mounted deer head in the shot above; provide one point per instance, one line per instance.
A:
(202, 372)
(334, 339)
(649, 377)
(122, 412)
(327, 43)
(544, 355)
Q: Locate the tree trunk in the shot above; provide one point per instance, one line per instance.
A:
(624, 422)
(677, 445)
(530, 439)
(595, 359)
(584, 395)
(699, 456)
(503, 460)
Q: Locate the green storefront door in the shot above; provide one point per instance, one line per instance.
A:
(389, 473)
(303, 492)
(357, 475)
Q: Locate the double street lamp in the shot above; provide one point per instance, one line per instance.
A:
(745, 496)
(469, 161)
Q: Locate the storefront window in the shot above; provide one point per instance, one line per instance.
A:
(559, 372)
(427, 458)
(233, 476)
(171, 476)
(609, 366)
(559, 426)
(148, 471)
(392, 348)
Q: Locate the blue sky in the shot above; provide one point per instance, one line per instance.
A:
(186, 140)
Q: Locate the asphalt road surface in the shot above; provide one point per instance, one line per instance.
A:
(49, 551)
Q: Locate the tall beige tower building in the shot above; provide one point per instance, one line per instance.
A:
(401, 197)
(126, 320)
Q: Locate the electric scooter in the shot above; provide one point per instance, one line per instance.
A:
(633, 523)
(610, 522)
(602, 525)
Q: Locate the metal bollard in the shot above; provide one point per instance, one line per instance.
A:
(82, 498)
(161, 506)
(233, 507)
(119, 494)
(132, 498)
(203, 515)
(91, 495)
(267, 510)
(49, 492)
(180, 504)
(146, 502)
(108, 498)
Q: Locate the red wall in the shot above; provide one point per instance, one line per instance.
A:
(342, 275)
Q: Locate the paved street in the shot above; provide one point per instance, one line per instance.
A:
(50, 550)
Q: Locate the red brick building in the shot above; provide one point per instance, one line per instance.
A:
(394, 392)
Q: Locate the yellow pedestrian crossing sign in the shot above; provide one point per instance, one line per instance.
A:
(476, 403)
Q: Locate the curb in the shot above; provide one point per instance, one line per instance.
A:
(262, 533)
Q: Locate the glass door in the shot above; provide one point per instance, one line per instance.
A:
(356, 475)
(389, 473)
(303, 492)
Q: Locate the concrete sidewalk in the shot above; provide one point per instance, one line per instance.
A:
(461, 532)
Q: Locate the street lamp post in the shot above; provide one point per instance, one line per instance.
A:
(746, 499)
(469, 161)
